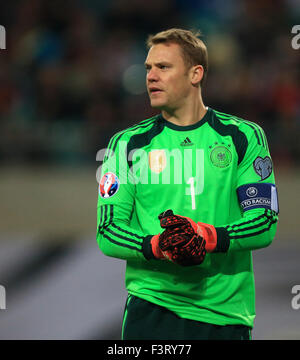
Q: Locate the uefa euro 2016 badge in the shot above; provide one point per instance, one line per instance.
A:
(109, 185)
(220, 155)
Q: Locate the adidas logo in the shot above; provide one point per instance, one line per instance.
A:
(186, 142)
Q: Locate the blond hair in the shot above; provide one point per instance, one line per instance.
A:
(194, 51)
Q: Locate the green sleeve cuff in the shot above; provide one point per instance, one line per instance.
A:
(223, 240)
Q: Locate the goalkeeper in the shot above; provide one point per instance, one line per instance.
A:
(184, 198)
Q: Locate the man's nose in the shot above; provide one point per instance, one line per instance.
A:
(152, 75)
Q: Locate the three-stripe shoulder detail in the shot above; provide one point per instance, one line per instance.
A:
(258, 131)
(114, 140)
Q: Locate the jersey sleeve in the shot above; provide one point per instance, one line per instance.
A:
(116, 194)
(257, 196)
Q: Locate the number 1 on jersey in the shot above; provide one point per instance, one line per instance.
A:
(191, 181)
(196, 182)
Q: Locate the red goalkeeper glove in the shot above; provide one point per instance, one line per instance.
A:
(206, 231)
(183, 241)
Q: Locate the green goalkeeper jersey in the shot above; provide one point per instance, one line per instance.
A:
(217, 171)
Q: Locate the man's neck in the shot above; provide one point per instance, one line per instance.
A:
(187, 115)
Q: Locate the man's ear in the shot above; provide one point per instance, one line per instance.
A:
(197, 73)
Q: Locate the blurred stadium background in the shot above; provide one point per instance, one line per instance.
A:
(71, 76)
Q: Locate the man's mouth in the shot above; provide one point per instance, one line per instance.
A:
(155, 90)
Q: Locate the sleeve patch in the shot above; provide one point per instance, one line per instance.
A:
(263, 167)
(258, 195)
(109, 185)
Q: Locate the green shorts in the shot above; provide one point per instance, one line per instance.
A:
(144, 320)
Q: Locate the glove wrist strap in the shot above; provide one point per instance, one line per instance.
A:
(209, 234)
(158, 254)
(147, 247)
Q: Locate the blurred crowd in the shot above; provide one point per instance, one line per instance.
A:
(72, 73)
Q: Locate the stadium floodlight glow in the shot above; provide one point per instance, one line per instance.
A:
(134, 79)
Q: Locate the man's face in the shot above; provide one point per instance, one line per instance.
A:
(168, 82)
